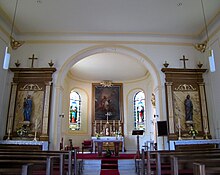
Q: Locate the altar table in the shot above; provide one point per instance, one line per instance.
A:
(174, 143)
(108, 139)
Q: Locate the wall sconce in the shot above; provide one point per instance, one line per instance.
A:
(166, 64)
(17, 64)
(62, 115)
(51, 63)
(200, 65)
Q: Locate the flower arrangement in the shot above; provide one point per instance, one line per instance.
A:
(193, 132)
(97, 135)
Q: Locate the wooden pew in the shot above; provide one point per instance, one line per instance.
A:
(24, 170)
(191, 158)
(10, 164)
(160, 156)
(207, 166)
(35, 155)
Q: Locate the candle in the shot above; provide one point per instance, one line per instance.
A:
(179, 123)
(36, 124)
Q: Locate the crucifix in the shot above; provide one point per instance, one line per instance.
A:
(32, 59)
(108, 114)
(184, 61)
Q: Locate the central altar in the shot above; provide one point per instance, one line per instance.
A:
(108, 139)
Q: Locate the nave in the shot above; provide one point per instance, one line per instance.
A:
(93, 167)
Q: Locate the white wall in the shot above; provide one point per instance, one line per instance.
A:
(212, 87)
(5, 86)
(157, 53)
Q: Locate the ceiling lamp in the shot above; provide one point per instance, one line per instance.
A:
(14, 44)
(202, 46)
(106, 83)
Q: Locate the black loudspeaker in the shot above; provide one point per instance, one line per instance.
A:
(162, 128)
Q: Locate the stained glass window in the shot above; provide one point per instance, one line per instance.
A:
(75, 111)
(139, 110)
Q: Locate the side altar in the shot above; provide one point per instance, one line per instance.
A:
(181, 144)
(24, 144)
(186, 103)
(28, 115)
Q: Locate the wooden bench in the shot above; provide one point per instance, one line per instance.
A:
(189, 159)
(10, 164)
(60, 157)
(163, 156)
(207, 166)
(76, 163)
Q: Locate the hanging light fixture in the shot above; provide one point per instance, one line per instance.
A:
(202, 46)
(106, 83)
(14, 44)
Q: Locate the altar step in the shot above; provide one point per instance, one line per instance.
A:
(109, 164)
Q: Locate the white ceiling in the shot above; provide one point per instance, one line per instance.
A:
(178, 18)
(110, 16)
(108, 66)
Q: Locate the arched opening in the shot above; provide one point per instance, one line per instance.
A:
(59, 107)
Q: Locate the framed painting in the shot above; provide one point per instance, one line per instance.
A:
(107, 102)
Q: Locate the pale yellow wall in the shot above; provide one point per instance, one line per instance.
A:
(85, 88)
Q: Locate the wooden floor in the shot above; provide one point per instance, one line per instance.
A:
(93, 167)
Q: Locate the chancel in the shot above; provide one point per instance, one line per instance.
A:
(95, 72)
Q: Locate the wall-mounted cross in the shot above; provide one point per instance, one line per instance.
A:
(184, 61)
(32, 59)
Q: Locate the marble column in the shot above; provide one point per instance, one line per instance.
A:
(170, 107)
(203, 107)
(11, 116)
(44, 134)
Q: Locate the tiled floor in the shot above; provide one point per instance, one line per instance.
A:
(93, 167)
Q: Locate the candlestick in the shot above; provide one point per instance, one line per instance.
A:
(35, 136)
(179, 123)
(35, 130)
(36, 124)
(9, 133)
(179, 128)
(100, 125)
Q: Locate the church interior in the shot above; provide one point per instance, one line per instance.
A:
(125, 75)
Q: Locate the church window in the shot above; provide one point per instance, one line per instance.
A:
(211, 61)
(139, 110)
(75, 111)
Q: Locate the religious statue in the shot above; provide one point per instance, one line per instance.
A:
(188, 108)
(27, 108)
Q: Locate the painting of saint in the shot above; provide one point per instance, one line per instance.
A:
(107, 100)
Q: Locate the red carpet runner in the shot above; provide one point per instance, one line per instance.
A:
(109, 172)
(109, 166)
